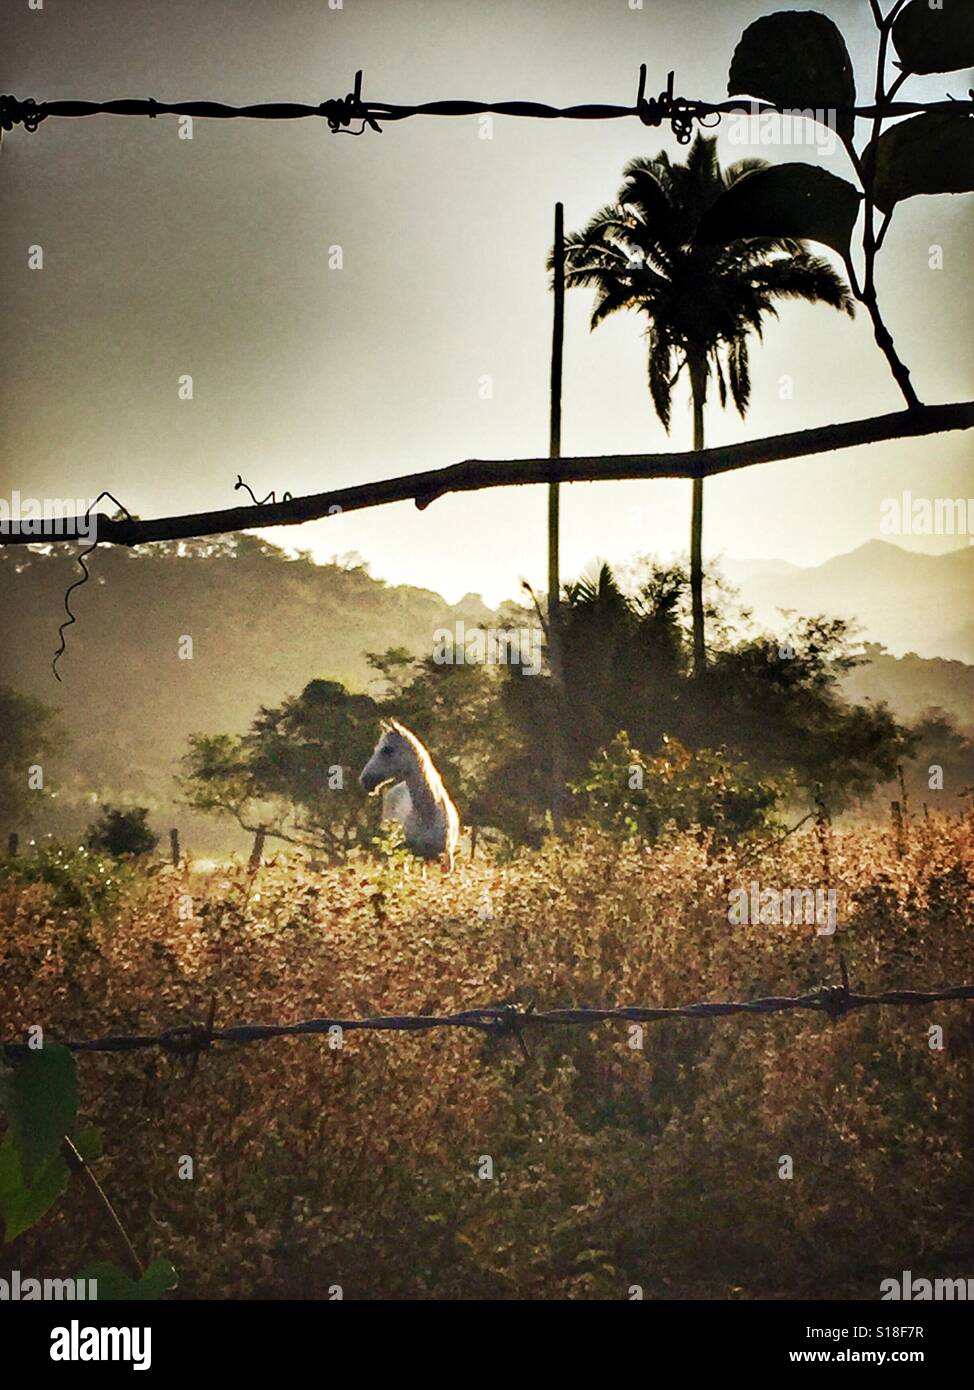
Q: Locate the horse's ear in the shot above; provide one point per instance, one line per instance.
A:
(394, 724)
(385, 727)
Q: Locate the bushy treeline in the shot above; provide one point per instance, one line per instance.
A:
(764, 725)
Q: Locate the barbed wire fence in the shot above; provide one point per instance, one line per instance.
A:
(189, 1041)
(505, 1020)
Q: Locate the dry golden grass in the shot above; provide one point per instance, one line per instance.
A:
(612, 1166)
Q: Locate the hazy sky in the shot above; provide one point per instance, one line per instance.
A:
(210, 257)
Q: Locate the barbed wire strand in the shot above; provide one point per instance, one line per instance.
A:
(679, 112)
(507, 1019)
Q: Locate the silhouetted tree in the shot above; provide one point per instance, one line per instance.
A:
(628, 666)
(294, 775)
(701, 301)
(120, 831)
(940, 770)
(27, 733)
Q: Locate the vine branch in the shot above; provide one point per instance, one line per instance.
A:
(471, 475)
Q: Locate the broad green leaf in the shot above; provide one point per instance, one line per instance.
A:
(40, 1096)
(798, 61)
(788, 200)
(938, 39)
(931, 153)
(88, 1142)
(114, 1285)
(22, 1204)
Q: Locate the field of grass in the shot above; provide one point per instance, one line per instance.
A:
(613, 1166)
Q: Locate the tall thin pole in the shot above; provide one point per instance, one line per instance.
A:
(554, 579)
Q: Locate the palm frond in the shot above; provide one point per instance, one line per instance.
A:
(739, 372)
(612, 295)
(719, 373)
(734, 172)
(661, 374)
(805, 277)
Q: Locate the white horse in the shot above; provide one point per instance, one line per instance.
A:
(419, 802)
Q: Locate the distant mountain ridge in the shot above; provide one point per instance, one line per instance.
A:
(908, 601)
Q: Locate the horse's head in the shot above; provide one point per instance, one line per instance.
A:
(393, 757)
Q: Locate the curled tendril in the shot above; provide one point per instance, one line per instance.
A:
(260, 501)
(78, 583)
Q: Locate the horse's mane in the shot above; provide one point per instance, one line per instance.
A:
(432, 778)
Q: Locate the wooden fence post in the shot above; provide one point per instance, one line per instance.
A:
(13, 842)
(258, 849)
(174, 848)
(823, 827)
(897, 812)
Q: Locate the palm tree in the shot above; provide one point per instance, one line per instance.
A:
(701, 300)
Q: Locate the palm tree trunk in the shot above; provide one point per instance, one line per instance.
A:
(698, 386)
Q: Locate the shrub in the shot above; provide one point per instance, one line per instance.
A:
(81, 880)
(628, 793)
(120, 832)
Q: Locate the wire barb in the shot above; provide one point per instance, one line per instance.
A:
(341, 111)
(186, 1040)
(680, 112)
(26, 113)
(508, 1023)
(836, 1001)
